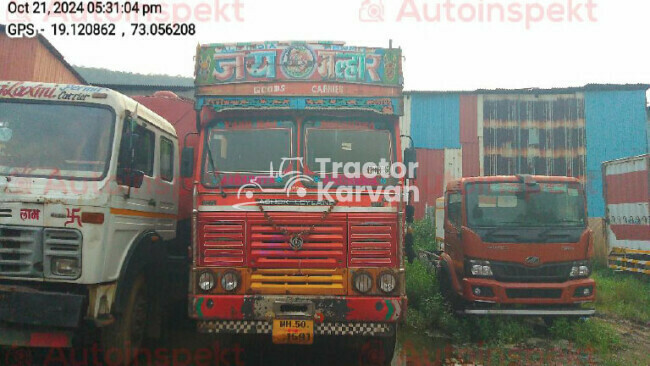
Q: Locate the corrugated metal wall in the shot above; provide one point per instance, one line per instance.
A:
(615, 129)
(434, 120)
(469, 135)
(27, 59)
(534, 134)
(430, 179)
(566, 133)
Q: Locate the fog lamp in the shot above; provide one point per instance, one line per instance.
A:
(68, 267)
(230, 281)
(362, 282)
(207, 281)
(387, 282)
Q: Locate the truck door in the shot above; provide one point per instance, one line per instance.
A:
(453, 224)
(166, 192)
(141, 199)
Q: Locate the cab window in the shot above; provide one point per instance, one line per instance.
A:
(166, 159)
(144, 152)
(454, 209)
(144, 142)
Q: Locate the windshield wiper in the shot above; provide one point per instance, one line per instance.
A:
(217, 175)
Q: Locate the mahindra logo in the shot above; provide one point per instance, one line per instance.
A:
(532, 261)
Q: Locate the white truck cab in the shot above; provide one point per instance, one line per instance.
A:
(88, 199)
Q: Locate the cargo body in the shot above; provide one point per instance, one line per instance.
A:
(627, 196)
(519, 242)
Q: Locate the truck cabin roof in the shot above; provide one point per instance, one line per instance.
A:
(456, 185)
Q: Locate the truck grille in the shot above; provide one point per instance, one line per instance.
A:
(323, 247)
(534, 293)
(222, 243)
(298, 282)
(20, 251)
(5, 212)
(513, 272)
(371, 244)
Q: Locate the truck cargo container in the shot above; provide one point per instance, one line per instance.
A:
(627, 196)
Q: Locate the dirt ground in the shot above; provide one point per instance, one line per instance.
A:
(432, 349)
(184, 347)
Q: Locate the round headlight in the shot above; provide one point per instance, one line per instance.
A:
(387, 282)
(230, 281)
(207, 281)
(362, 282)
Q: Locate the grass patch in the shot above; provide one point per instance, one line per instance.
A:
(621, 294)
(424, 233)
(588, 334)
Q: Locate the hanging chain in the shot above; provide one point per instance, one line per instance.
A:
(302, 234)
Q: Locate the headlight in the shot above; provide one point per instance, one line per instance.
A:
(387, 282)
(67, 267)
(230, 281)
(480, 268)
(207, 281)
(362, 282)
(580, 269)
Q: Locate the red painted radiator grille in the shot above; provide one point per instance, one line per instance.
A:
(324, 247)
(372, 244)
(222, 243)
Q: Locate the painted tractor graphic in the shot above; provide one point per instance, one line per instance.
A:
(289, 172)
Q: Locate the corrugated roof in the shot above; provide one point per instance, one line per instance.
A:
(122, 79)
(56, 53)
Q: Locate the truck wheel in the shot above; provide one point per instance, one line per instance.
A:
(377, 350)
(447, 291)
(122, 341)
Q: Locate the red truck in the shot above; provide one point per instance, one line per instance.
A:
(284, 242)
(519, 242)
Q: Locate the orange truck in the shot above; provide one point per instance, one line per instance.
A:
(517, 245)
(279, 246)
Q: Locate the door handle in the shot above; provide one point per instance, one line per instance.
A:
(152, 202)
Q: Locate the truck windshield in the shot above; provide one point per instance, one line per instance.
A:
(513, 204)
(59, 141)
(246, 148)
(350, 142)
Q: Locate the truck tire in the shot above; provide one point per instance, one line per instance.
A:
(377, 350)
(122, 340)
(447, 291)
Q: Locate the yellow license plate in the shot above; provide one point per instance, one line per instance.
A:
(293, 331)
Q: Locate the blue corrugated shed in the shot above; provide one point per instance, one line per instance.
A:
(616, 128)
(435, 121)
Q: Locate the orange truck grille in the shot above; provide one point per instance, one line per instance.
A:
(299, 282)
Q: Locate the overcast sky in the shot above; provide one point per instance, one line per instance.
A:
(608, 46)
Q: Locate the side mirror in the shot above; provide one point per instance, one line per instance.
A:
(411, 161)
(410, 214)
(130, 178)
(187, 162)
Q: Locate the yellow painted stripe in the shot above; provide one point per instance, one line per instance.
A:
(636, 270)
(628, 260)
(150, 215)
(629, 251)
